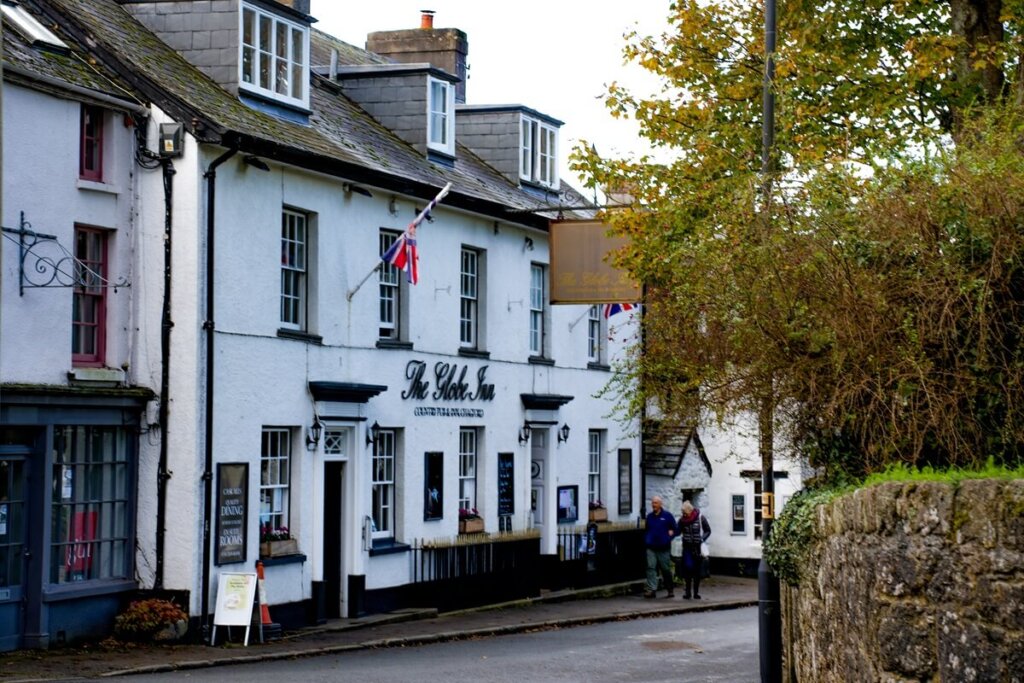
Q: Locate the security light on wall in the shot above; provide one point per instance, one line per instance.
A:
(172, 139)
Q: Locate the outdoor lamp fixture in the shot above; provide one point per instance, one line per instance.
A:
(313, 435)
(524, 433)
(563, 433)
(255, 162)
(373, 434)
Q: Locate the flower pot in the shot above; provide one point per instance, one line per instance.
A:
(288, 546)
(598, 515)
(471, 525)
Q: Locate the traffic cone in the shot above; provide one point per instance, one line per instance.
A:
(269, 629)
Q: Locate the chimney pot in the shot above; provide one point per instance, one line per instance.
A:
(427, 18)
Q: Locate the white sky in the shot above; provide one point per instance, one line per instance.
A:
(554, 56)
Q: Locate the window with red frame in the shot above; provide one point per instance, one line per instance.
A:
(90, 163)
(88, 338)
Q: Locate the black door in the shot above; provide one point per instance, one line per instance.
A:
(333, 481)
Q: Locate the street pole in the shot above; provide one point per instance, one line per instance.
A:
(768, 604)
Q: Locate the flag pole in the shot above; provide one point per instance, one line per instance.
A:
(416, 221)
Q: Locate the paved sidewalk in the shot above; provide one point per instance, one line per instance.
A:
(405, 627)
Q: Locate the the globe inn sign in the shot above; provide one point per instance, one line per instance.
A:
(449, 384)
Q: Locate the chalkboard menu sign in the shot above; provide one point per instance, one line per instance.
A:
(625, 481)
(232, 509)
(506, 499)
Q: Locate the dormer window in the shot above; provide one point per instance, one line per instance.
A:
(538, 152)
(274, 61)
(440, 116)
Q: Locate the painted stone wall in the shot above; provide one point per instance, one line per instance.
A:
(912, 582)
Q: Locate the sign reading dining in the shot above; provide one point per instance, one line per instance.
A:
(450, 383)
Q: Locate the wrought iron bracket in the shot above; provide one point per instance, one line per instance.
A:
(45, 262)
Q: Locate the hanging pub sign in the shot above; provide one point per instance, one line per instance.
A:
(232, 512)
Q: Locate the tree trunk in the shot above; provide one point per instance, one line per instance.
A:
(978, 23)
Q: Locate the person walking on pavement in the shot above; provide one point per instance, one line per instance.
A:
(693, 530)
(661, 527)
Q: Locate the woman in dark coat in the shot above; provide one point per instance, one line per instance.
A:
(693, 530)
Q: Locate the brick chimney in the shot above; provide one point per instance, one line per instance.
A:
(443, 48)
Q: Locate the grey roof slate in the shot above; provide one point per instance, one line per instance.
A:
(341, 138)
(70, 67)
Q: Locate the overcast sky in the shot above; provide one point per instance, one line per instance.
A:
(554, 56)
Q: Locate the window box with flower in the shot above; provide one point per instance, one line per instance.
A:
(276, 541)
(598, 512)
(470, 521)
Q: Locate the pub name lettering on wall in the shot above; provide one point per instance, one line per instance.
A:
(449, 383)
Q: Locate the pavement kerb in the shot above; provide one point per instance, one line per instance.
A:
(443, 636)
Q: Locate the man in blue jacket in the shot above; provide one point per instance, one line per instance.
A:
(661, 527)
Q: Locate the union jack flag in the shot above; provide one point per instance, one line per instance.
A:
(612, 309)
(402, 254)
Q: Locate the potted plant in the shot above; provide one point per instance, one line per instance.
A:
(598, 512)
(276, 541)
(470, 521)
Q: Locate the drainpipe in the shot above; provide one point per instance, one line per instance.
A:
(211, 188)
(163, 474)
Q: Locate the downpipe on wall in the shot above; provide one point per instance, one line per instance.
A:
(208, 326)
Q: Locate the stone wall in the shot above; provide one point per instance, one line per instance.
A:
(912, 582)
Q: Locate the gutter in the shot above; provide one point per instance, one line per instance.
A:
(208, 325)
(28, 77)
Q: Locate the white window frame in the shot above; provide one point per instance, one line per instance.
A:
(469, 298)
(468, 465)
(288, 71)
(382, 495)
(595, 448)
(440, 115)
(538, 310)
(596, 333)
(294, 294)
(275, 477)
(390, 293)
(538, 152)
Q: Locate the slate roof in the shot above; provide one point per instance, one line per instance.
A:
(47, 68)
(665, 446)
(341, 139)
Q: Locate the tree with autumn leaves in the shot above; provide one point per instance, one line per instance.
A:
(872, 293)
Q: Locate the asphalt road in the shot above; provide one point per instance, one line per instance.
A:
(693, 647)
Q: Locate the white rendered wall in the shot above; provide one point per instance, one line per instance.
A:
(262, 379)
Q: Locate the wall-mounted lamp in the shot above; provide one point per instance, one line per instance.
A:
(393, 206)
(563, 433)
(313, 434)
(524, 433)
(373, 434)
(255, 162)
(527, 244)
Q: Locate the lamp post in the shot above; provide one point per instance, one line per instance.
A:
(768, 604)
